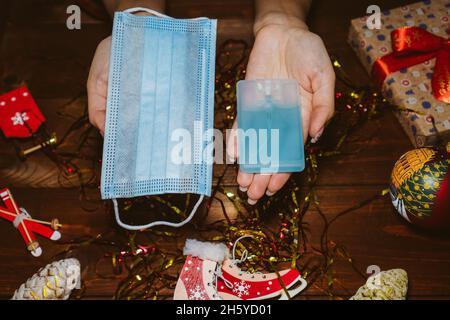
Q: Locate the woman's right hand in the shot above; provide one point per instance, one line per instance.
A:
(97, 85)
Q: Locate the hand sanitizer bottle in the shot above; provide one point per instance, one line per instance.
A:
(269, 133)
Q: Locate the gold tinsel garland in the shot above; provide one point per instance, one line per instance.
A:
(277, 224)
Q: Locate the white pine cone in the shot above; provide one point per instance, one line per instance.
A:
(53, 282)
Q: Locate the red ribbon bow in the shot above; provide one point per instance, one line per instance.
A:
(411, 46)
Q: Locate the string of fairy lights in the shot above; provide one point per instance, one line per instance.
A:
(145, 269)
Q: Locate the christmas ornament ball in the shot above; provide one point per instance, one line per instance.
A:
(420, 187)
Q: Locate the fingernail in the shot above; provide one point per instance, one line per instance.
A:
(251, 201)
(317, 137)
(269, 194)
(243, 189)
(231, 160)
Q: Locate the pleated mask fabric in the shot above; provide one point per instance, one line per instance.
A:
(161, 79)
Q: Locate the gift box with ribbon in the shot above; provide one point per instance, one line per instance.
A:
(409, 58)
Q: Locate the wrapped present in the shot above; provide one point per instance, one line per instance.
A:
(409, 57)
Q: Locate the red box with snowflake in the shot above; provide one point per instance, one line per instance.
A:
(409, 88)
(20, 116)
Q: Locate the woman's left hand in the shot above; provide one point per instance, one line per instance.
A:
(289, 52)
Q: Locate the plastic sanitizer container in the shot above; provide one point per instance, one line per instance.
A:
(269, 133)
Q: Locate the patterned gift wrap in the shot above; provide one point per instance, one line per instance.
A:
(409, 88)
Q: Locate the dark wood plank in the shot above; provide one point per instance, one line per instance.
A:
(233, 9)
(52, 60)
(4, 14)
(38, 171)
(373, 235)
(37, 48)
(33, 12)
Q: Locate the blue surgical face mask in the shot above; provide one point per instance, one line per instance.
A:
(161, 80)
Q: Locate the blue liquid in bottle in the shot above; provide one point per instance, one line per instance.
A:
(277, 130)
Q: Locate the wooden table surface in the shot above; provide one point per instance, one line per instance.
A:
(38, 49)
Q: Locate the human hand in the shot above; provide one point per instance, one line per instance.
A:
(289, 51)
(97, 85)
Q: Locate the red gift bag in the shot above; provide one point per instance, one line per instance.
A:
(20, 116)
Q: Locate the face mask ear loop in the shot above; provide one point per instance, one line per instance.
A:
(156, 223)
(155, 13)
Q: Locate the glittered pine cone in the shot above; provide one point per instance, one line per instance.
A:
(53, 282)
(386, 285)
